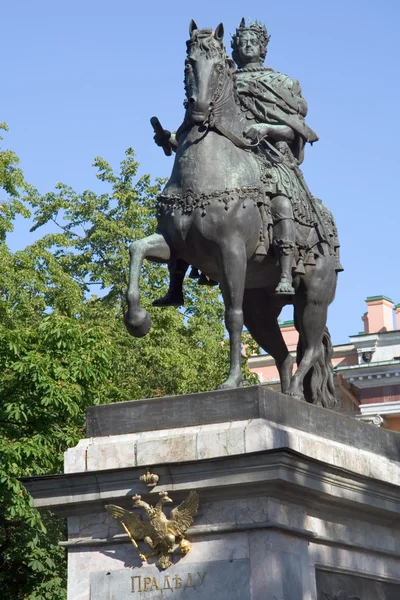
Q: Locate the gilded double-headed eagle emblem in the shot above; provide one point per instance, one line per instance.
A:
(162, 534)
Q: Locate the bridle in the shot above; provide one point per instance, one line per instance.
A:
(212, 124)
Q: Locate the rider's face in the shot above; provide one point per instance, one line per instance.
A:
(249, 48)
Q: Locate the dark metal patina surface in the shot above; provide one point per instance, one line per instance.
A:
(237, 209)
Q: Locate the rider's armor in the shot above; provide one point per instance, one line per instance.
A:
(273, 98)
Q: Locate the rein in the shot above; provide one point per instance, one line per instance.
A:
(241, 143)
(232, 137)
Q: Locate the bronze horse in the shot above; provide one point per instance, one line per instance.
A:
(209, 216)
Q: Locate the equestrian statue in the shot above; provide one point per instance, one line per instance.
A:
(237, 209)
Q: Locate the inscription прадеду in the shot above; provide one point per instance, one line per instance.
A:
(166, 582)
(190, 581)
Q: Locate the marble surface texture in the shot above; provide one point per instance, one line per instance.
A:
(219, 440)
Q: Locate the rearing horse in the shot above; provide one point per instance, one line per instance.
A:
(209, 216)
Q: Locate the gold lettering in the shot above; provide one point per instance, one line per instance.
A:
(155, 584)
(167, 583)
(147, 581)
(146, 584)
(189, 581)
(133, 583)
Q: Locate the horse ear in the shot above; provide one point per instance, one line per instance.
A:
(219, 32)
(192, 27)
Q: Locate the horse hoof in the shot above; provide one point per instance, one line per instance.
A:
(296, 396)
(230, 385)
(138, 327)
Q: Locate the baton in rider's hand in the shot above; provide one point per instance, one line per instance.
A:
(162, 136)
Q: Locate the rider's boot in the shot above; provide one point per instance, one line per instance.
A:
(261, 250)
(284, 244)
(174, 296)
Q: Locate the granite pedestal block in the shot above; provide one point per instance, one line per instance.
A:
(296, 502)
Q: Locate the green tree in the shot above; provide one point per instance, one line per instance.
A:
(11, 181)
(31, 564)
(62, 348)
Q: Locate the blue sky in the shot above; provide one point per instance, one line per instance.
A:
(82, 78)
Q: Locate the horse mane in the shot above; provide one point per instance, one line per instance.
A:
(205, 42)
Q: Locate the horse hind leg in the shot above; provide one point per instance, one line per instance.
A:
(261, 312)
(318, 384)
(310, 320)
(137, 319)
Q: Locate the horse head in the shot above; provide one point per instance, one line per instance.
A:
(207, 68)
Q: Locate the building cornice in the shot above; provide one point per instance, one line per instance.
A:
(368, 375)
(386, 338)
(262, 360)
(381, 408)
(377, 413)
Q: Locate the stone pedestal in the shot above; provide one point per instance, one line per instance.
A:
(296, 502)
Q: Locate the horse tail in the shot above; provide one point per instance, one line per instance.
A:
(318, 383)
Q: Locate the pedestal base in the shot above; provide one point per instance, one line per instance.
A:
(296, 502)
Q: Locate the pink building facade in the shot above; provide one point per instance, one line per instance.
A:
(366, 370)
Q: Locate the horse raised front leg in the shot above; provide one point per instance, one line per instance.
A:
(137, 319)
(232, 265)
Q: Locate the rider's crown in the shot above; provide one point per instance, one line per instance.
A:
(258, 28)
